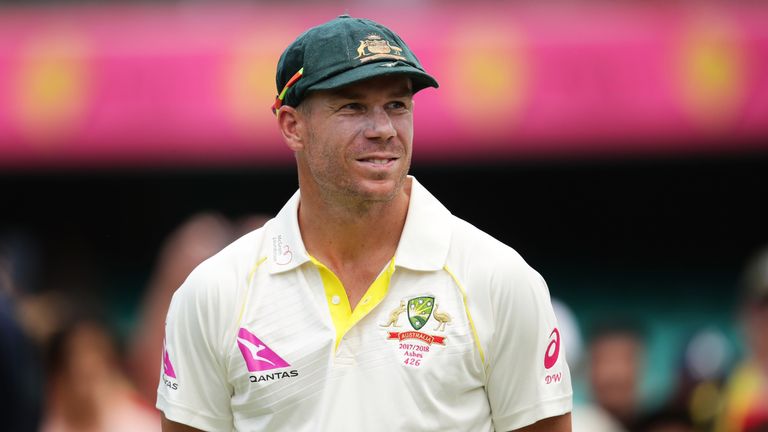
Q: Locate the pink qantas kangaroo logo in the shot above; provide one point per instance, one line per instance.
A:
(167, 366)
(257, 355)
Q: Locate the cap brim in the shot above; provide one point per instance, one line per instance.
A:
(419, 78)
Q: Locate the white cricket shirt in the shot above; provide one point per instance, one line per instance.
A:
(456, 334)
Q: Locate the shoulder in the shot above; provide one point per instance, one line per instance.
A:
(204, 307)
(476, 252)
(223, 275)
(492, 274)
(434, 237)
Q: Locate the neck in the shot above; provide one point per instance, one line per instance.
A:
(340, 235)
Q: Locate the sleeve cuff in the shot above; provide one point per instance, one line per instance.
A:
(191, 417)
(531, 415)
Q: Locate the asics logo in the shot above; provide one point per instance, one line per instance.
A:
(553, 349)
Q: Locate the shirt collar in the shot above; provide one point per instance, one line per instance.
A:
(283, 244)
(423, 244)
(427, 232)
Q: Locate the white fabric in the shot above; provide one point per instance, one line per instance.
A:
(591, 418)
(366, 384)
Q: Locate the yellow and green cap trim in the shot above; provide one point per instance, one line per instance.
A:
(281, 97)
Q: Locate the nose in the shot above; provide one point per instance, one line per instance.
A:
(380, 125)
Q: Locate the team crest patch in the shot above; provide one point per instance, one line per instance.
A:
(426, 320)
(419, 310)
(374, 47)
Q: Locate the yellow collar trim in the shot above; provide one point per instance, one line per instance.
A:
(342, 315)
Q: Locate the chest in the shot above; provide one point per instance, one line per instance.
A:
(417, 341)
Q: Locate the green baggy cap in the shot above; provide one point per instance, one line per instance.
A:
(343, 51)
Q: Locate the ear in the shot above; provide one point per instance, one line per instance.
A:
(291, 124)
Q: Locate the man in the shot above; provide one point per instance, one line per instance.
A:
(746, 390)
(616, 352)
(364, 304)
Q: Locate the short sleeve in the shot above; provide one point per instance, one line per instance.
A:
(194, 388)
(527, 375)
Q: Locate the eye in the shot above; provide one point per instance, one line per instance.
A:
(353, 106)
(397, 105)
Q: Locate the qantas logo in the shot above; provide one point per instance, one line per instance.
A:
(169, 374)
(257, 355)
(167, 366)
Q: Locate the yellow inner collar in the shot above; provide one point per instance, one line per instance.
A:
(344, 318)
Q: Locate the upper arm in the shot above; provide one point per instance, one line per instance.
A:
(560, 423)
(194, 388)
(528, 378)
(172, 426)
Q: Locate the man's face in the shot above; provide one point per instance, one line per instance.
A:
(757, 327)
(358, 140)
(615, 368)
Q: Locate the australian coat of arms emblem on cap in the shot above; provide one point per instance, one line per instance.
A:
(374, 47)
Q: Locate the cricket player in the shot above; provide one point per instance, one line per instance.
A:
(364, 305)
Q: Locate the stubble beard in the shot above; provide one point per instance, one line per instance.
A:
(338, 189)
(347, 194)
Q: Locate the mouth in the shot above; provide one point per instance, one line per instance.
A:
(378, 161)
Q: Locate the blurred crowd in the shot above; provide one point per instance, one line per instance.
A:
(64, 364)
(65, 367)
(709, 393)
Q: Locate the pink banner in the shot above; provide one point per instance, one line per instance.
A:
(191, 85)
(429, 339)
